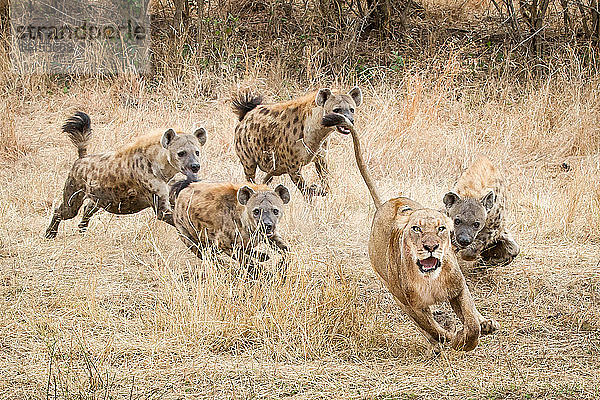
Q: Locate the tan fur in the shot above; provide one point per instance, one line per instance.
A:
(210, 214)
(394, 248)
(360, 162)
(282, 138)
(127, 180)
(479, 179)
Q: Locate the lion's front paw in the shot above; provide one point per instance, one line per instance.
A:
(465, 340)
(489, 326)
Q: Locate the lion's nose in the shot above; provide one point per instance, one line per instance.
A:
(431, 247)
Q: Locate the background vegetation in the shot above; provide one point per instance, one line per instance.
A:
(125, 311)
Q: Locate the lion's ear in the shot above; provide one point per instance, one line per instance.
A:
(488, 200)
(450, 199)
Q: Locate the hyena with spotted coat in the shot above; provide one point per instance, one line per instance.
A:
(232, 217)
(476, 205)
(127, 180)
(282, 138)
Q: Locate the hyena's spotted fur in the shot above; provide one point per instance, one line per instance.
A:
(476, 205)
(127, 180)
(234, 218)
(281, 138)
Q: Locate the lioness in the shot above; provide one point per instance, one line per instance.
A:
(410, 250)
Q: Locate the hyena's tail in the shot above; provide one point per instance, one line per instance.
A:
(244, 103)
(79, 130)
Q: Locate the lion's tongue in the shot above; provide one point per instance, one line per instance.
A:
(429, 263)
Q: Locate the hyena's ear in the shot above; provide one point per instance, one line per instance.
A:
(243, 195)
(200, 133)
(167, 138)
(283, 193)
(488, 200)
(322, 96)
(356, 95)
(450, 198)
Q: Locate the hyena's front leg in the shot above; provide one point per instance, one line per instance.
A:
(503, 252)
(308, 191)
(249, 169)
(246, 255)
(160, 200)
(472, 251)
(277, 241)
(323, 173)
(89, 210)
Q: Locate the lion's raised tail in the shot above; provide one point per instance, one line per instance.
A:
(79, 130)
(338, 119)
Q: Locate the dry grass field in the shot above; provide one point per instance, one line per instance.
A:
(125, 311)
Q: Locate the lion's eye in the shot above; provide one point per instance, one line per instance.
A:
(256, 212)
(476, 225)
(416, 229)
(441, 229)
(181, 154)
(457, 221)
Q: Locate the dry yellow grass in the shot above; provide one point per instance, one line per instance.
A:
(125, 311)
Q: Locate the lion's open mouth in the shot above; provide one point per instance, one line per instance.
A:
(343, 130)
(428, 264)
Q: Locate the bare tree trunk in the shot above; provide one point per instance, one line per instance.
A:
(380, 12)
(181, 15)
(4, 19)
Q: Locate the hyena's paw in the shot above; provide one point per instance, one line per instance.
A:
(262, 257)
(314, 190)
(467, 254)
(50, 234)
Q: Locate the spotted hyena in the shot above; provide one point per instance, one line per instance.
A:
(476, 205)
(234, 218)
(282, 138)
(127, 180)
